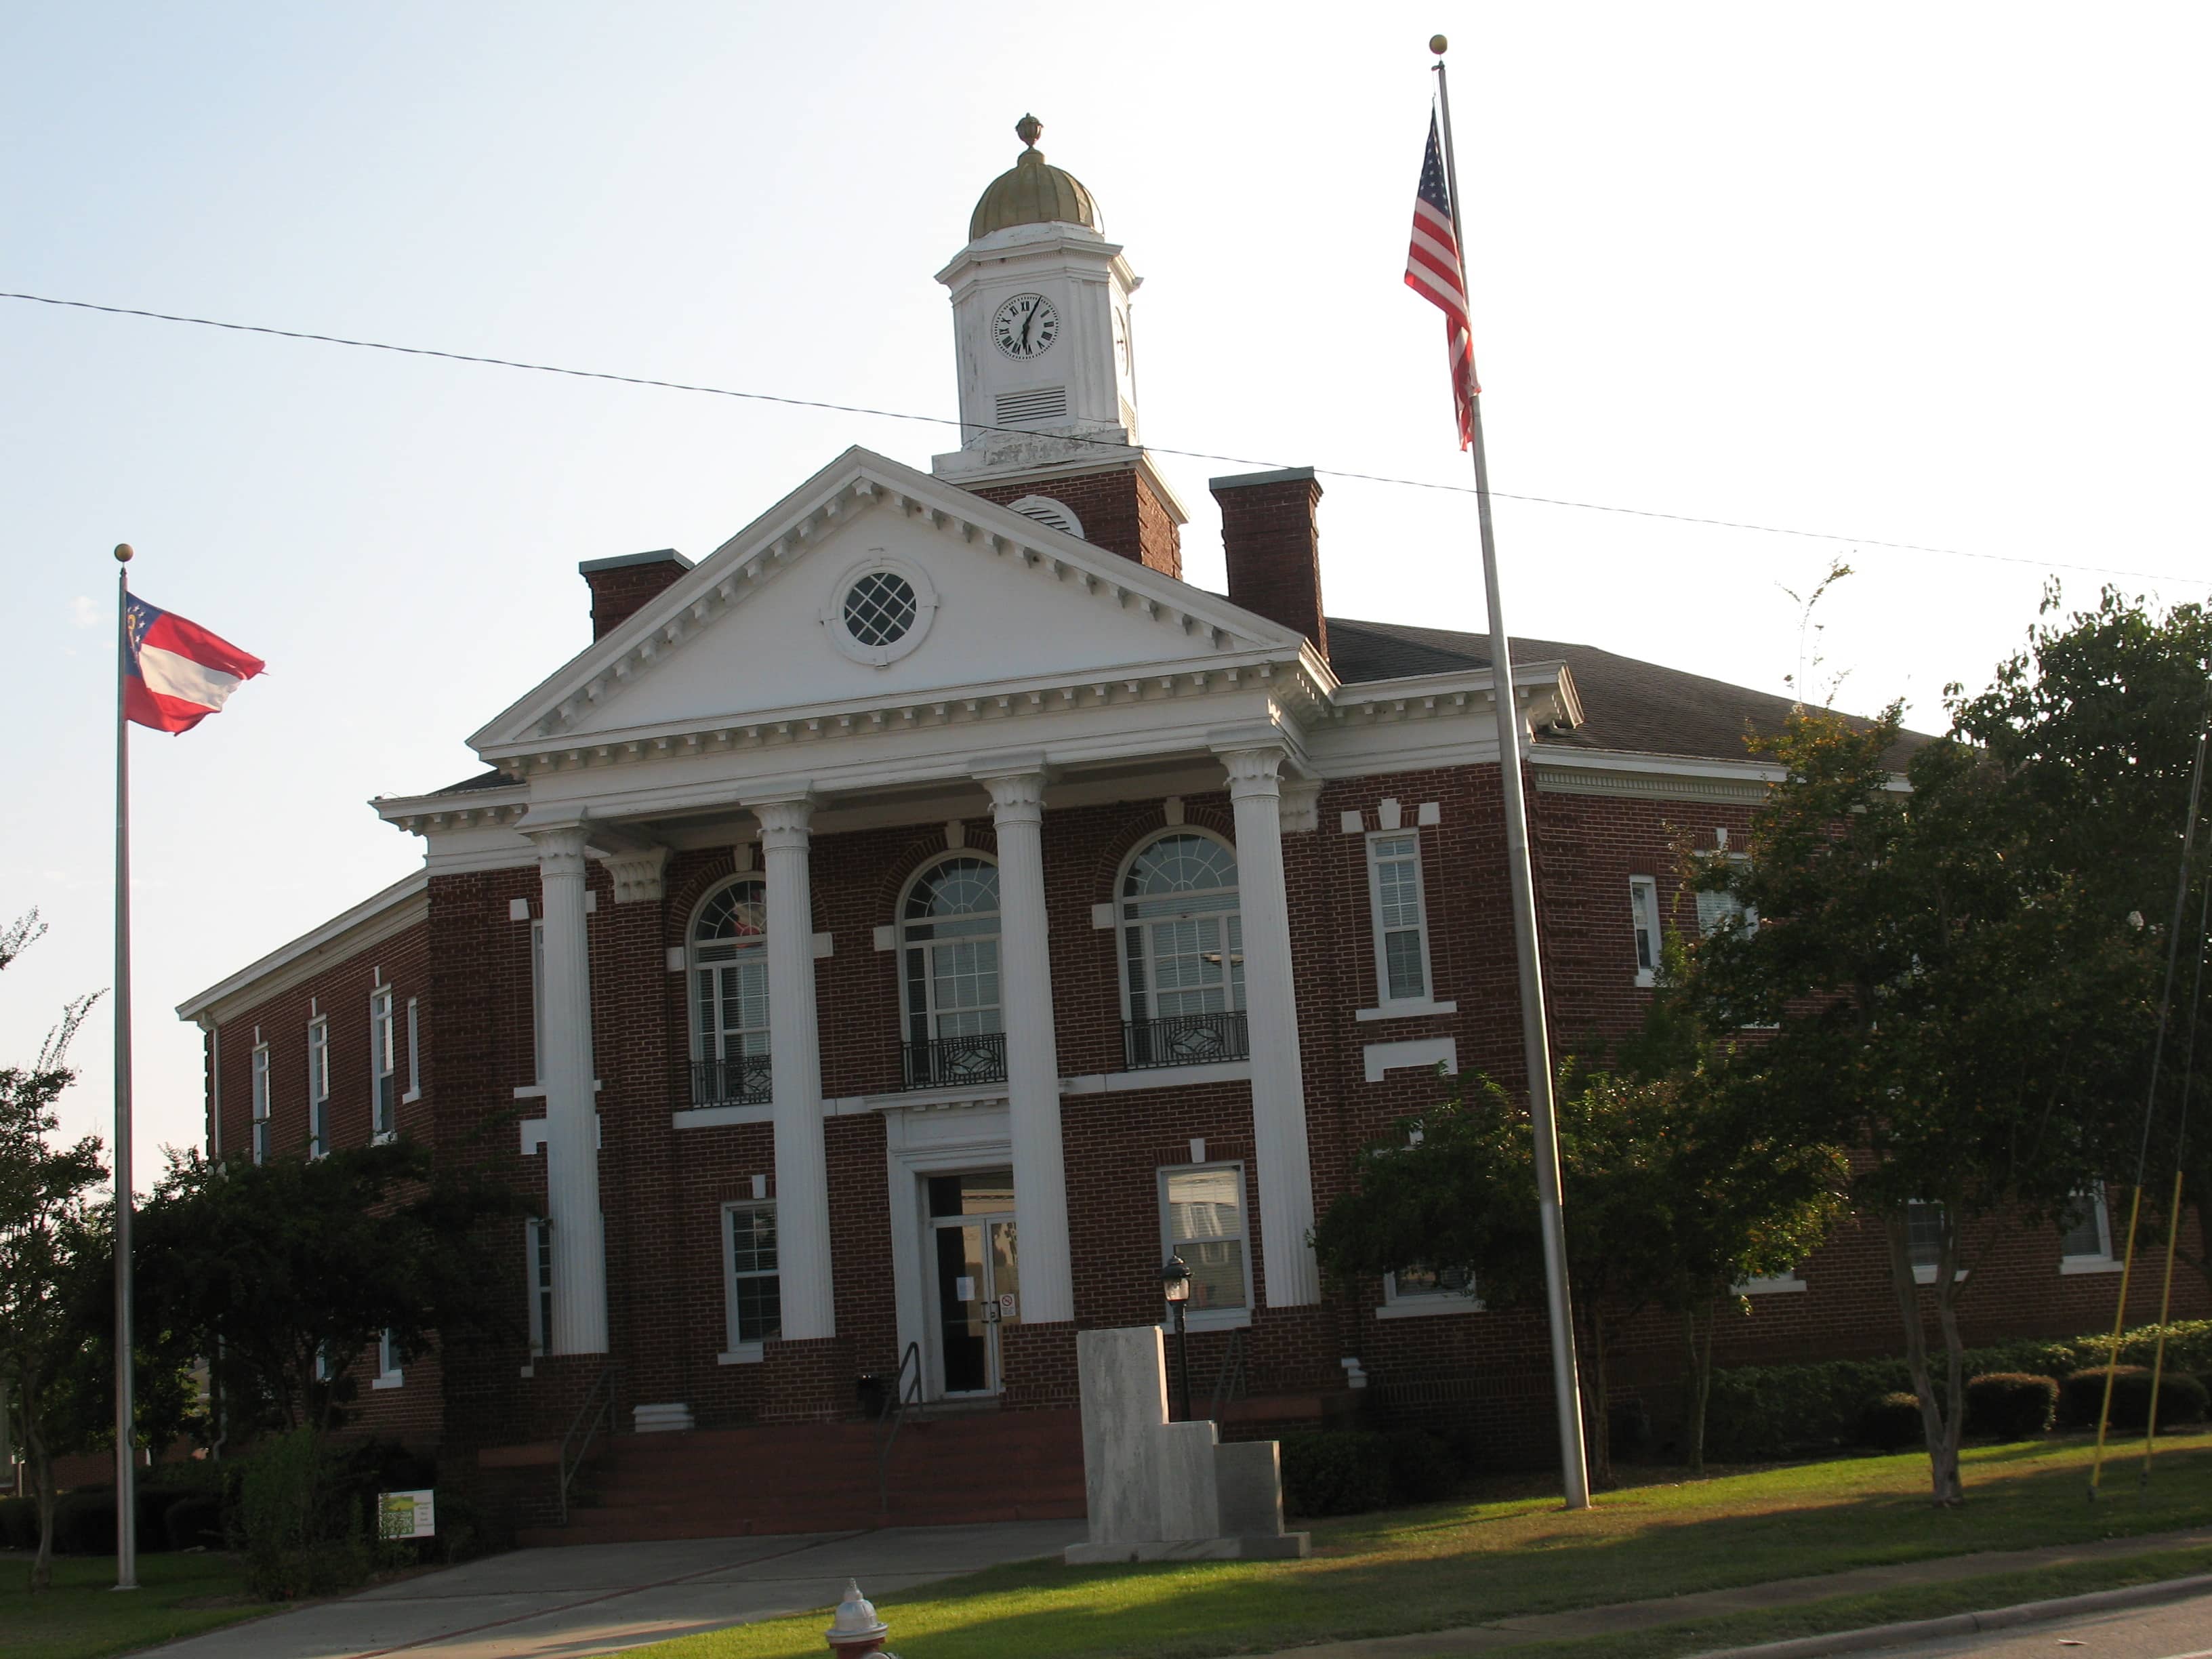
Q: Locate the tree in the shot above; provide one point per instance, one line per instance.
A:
(46, 1215)
(2098, 715)
(1668, 1204)
(1950, 994)
(286, 1272)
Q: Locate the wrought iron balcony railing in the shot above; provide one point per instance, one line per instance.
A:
(948, 1062)
(739, 1080)
(1184, 1040)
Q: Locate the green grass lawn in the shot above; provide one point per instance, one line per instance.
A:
(84, 1616)
(1465, 1563)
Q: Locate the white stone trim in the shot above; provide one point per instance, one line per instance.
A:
(841, 637)
(382, 916)
(1419, 1053)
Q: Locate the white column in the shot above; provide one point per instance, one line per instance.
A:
(572, 1123)
(1278, 1091)
(802, 1174)
(1032, 1051)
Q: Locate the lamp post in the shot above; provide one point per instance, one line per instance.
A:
(1174, 1284)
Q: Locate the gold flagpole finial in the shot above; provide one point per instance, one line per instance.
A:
(123, 552)
(1029, 130)
(1436, 44)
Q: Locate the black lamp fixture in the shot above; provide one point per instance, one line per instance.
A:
(1174, 1285)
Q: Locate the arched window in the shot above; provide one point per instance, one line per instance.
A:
(949, 974)
(1182, 953)
(728, 948)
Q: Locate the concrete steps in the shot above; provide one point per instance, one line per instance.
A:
(822, 1477)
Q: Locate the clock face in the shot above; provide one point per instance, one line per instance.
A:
(1025, 326)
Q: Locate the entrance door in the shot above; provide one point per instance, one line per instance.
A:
(971, 1224)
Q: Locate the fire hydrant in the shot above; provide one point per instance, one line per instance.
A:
(856, 1632)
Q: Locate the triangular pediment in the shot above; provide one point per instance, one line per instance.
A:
(872, 581)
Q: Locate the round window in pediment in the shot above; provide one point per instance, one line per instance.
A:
(879, 609)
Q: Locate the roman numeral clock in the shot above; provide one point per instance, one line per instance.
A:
(1025, 326)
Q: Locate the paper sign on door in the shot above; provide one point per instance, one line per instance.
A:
(964, 1289)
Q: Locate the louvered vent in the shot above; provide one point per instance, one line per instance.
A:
(1047, 511)
(1032, 408)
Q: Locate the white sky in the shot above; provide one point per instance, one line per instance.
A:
(1930, 274)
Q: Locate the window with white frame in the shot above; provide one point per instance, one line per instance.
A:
(414, 1053)
(263, 1129)
(1182, 951)
(1717, 912)
(728, 947)
(319, 1087)
(1924, 1224)
(1643, 916)
(537, 1248)
(948, 974)
(1202, 1221)
(388, 1373)
(1421, 1289)
(383, 1065)
(1400, 920)
(753, 1296)
(2086, 1234)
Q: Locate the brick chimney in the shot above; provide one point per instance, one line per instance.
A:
(623, 586)
(1273, 547)
(1117, 509)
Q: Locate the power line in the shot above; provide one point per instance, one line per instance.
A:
(1161, 449)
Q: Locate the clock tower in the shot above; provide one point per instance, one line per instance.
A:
(1046, 363)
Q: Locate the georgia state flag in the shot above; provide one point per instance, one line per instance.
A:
(179, 673)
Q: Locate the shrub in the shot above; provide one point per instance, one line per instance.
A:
(1341, 1472)
(301, 1526)
(195, 1522)
(84, 1521)
(19, 1523)
(2081, 1393)
(1628, 1429)
(2011, 1405)
(1891, 1422)
(2182, 1398)
(1423, 1467)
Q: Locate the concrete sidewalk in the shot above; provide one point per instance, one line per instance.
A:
(1623, 1617)
(601, 1598)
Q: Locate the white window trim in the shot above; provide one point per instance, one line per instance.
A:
(1122, 923)
(261, 1134)
(318, 1102)
(388, 1372)
(2103, 1262)
(903, 944)
(1776, 1284)
(693, 967)
(925, 612)
(414, 1056)
(1424, 1304)
(736, 1352)
(1386, 1006)
(538, 1001)
(379, 1054)
(1646, 977)
(1208, 1319)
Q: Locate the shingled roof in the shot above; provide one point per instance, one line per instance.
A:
(1627, 704)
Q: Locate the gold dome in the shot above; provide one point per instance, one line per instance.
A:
(1031, 194)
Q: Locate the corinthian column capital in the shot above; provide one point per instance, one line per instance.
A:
(1016, 797)
(1254, 774)
(560, 851)
(784, 822)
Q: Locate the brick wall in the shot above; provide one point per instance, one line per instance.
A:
(1271, 538)
(663, 1187)
(621, 588)
(1119, 510)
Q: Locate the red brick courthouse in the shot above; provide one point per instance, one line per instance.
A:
(895, 934)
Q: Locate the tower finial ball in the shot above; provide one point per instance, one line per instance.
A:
(1029, 130)
(1437, 45)
(123, 552)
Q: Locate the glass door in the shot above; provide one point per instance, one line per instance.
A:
(971, 1224)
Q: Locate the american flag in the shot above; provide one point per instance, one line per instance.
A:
(1432, 271)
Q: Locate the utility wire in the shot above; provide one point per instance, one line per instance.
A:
(1161, 449)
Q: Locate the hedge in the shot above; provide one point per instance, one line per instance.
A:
(2010, 1405)
(1761, 1412)
(1344, 1471)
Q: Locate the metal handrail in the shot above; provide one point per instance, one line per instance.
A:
(1185, 1040)
(1229, 1381)
(587, 1418)
(737, 1080)
(945, 1061)
(893, 1413)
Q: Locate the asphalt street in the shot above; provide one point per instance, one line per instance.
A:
(2171, 1629)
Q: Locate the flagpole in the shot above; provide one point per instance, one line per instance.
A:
(127, 1472)
(1535, 1039)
